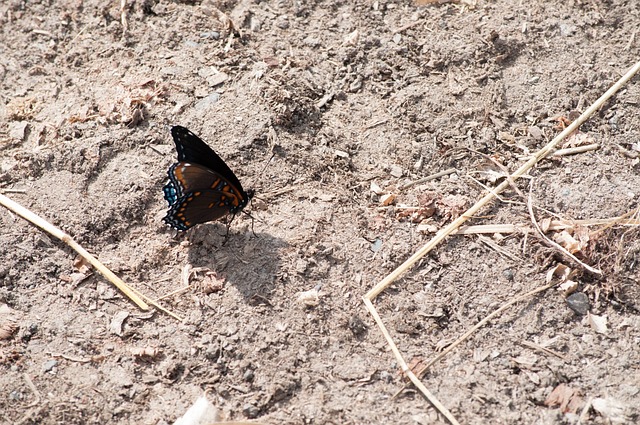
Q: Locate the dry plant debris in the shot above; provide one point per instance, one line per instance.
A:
(542, 153)
(566, 398)
(9, 321)
(382, 91)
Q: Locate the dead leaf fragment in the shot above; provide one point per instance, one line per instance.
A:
(352, 38)
(117, 322)
(526, 361)
(201, 412)
(310, 298)
(567, 241)
(83, 271)
(568, 287)
(373, 187)
(612, 410)
(21, 108)
(77, 278)
(418, 365)
(560, 271)
(7, 328)
(387, 199)
(9, 319)
(598, 323)
(150, 352)
(565, 397)
(211, 283)
(506, 137)
(578, 139)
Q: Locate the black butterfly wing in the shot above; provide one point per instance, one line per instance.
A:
(201, 186)
(188, 177)
(202, 206)
(192, 149)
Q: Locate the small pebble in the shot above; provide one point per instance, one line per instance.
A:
(386, 377)
(49, 365)
(217, 79)
(282, 22)
(250, 411)
(312, 41)
(18, 130)
(535, 132)
(355, 85)
(567, 30)
(508, 274)
(579, 303)
(387, 199)
(357, 326)
(255, 24)
(376, 245)
(396, 171)
(213, 35)
(207, 102)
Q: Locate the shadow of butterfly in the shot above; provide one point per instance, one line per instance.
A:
(201, 186)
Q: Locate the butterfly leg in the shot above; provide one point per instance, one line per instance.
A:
(228, 226)
(252, 221)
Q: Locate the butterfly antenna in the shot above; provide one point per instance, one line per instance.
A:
(267, 164)
(264, 168)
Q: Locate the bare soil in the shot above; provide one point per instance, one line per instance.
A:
(310, 103)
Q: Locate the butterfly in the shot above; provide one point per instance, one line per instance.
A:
(201, 186)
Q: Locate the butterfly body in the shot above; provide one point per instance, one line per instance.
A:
(201, 186)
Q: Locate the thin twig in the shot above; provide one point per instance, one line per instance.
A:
(50, 228)
(133, 294)
(123, 16)
(376, 123)
(426, 179)
(628, 153)
(554, 225)
(443, 233)
(13, 191)
(34, 390)
(486, 320)
(544, 350)
(488, 189)
(407, 26)
(478, 325)
(406, 370)
(500, 250)
(524, 168)
(552, 243)
(71, 358)
(576, 150)
(631, 40)
(504, 169)
(271, 195)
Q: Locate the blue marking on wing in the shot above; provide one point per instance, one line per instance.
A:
(170, 193)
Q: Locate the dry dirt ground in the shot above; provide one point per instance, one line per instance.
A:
(311, 103)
